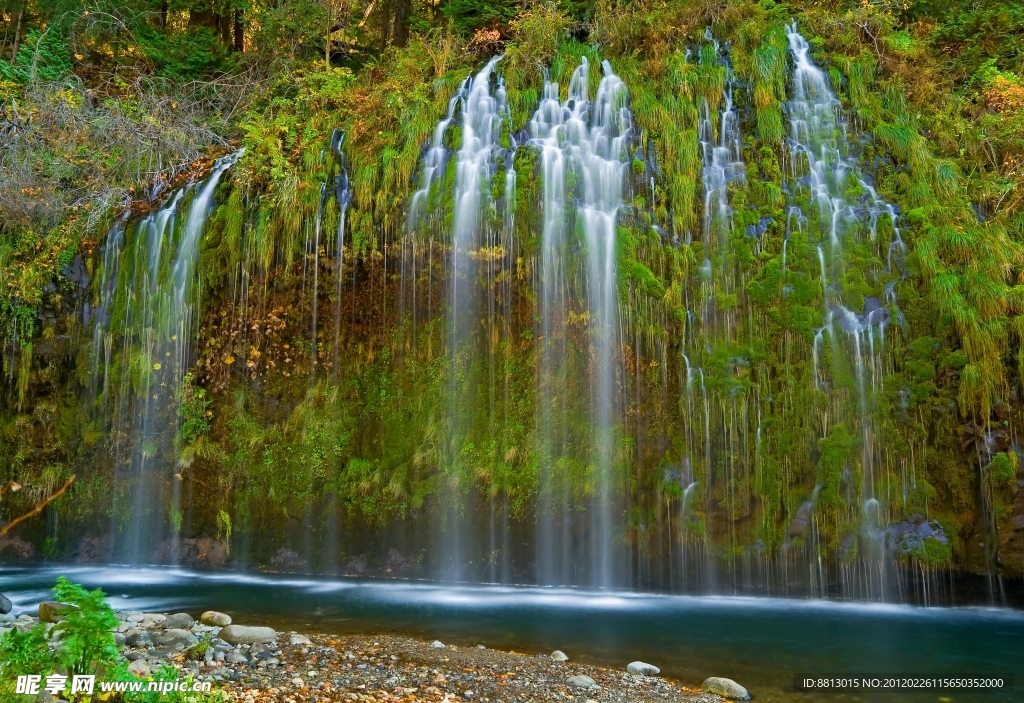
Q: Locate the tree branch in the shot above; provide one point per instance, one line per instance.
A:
(38, 509)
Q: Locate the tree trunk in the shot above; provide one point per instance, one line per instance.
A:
(239, 31)
(164, 8)
(17, 33)
(400, 33)
(224, 24)
(385, 24)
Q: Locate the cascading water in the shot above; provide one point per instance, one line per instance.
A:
(154, 315)
(483, 111)
(588, 140)
(599, 155)
(825, 174)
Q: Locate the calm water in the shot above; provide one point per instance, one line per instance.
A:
(760, 642)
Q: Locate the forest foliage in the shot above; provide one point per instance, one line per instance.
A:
(104, 105)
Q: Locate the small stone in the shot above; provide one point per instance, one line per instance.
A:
(119, 638)
(139, 667)
(7, 619)
(154, 619)
(642, 669)
(244, 634)
(5, 604)
(437, 644)
(236, 657)
(52, 611)
(360, 666)
(138, 638)
(133, 616)
(581, 681)
(297, 682)
(468, 694)
(559, 656)
(132, 656)
(177, 636)
(299, 639)
(727, 688)
(215, 619)
(181, 621)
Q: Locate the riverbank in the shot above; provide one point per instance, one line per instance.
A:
(251, 664)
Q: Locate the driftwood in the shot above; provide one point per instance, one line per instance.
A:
(38, 509)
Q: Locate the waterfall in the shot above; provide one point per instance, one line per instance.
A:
(483, 112)
(599, 154)
(155, 311)
(826, 174)
(588, 139)
(547, 130)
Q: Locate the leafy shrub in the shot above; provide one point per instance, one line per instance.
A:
(42, 56)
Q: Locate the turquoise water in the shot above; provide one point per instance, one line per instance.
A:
(760, 642)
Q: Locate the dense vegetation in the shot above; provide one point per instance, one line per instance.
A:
(284, 430)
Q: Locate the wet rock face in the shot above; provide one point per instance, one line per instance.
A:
(800, 521)
(908, 537)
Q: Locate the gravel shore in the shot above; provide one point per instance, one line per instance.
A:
(255, 664)
(392, 669)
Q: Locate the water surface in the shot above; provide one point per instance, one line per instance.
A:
(760, 642)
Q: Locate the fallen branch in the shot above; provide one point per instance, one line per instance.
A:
(11, 486)
(38, 509)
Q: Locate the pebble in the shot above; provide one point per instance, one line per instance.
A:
(52, 611)
(183, 621)
(244, 634)
(295, 639)
(581, 681)
(559, 656)
(642, 669)
(727, 688)
(177, 636)
(139, 667)
(437, 644)
(215, 619)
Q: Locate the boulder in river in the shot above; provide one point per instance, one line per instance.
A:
(52, 611)
(581, 681)
(5, 604)
(180, 621)
(559, 656)
(642, 669)
(215, 619)
(727, 688)
(244, 634)
(177, 636)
